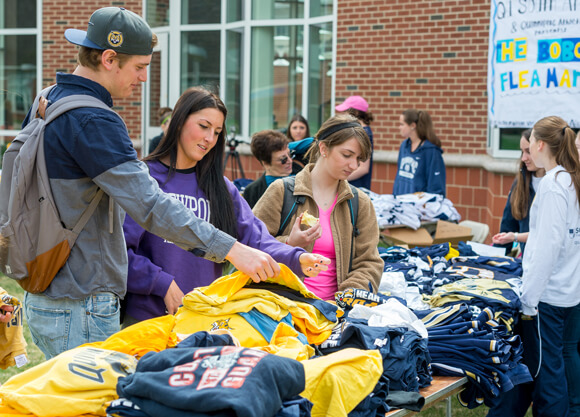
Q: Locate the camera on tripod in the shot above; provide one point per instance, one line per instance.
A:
(233, 155)
(233, 143)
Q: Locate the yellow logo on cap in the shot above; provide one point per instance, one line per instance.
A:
(115, 39)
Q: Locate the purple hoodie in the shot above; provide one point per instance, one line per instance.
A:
(154, 262)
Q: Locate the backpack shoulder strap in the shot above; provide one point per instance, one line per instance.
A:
(60, 107)
(289, 204)
(353, 207)
(73, 102)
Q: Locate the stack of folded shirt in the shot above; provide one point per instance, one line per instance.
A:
(483, 351)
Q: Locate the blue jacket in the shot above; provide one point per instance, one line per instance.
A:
(421, 170)
(87, 149)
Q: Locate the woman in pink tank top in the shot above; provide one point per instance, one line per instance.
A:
(339, 147)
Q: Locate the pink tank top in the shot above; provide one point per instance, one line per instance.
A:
(324, 285)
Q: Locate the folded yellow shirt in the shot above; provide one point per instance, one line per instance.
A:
(78, 381)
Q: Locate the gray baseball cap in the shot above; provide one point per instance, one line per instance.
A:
(114, 28)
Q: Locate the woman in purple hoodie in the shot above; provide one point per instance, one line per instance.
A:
(188, 165)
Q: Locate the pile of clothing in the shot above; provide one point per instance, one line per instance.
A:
(412, 209)
(469, 305)
(233, 348)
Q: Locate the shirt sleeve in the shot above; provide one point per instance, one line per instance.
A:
(436, 174)
(253, 232)
(131, 186)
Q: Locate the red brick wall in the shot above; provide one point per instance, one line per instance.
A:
(429, 55)
(60, 55)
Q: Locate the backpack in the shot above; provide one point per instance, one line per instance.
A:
(291, 202)
(34, 244)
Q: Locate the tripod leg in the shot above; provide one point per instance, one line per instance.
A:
(239, 161)
(232, 162)
(226, 160)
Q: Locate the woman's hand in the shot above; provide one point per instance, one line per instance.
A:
(173, 298)
(313, 263)
(303, 238)
(503, 238)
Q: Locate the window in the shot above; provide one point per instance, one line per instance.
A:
(18, 65)
(505, 142)
(200, 59)
(267, 59)
(276, 76)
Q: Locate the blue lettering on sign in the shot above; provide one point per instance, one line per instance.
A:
(559, 50)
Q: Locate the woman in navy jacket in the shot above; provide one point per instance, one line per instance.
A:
(420, 166)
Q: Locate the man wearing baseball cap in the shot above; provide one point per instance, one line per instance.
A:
(88, 149)
(359, 108)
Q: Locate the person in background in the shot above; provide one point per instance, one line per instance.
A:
(164, 115)
(298, 130)
(359, 108)
(188, 165)
(270, 147)
(420, 165)
(551, 267)
(514, 226)
(88, 149)
(341, 145)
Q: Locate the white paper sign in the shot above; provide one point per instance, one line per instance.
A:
(534, 62)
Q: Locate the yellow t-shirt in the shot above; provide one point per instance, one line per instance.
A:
(78, 381)
(12, 343)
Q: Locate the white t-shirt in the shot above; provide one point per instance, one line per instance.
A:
(551, 261)
(536, 182)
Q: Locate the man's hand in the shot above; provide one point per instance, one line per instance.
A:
(6, 313)
(313, 263)
(256, 264)
(173, 298)
(302, 238)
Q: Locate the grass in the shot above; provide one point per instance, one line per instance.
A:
(35, 356)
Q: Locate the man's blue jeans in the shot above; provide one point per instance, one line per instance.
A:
(57, 325)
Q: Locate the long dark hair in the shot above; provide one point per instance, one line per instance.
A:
(520, 197)
(209, 170)
(425, 129)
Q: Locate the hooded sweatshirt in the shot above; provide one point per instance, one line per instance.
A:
(420, 170)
